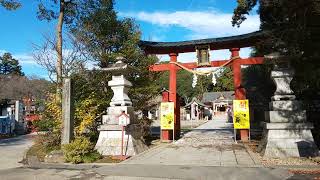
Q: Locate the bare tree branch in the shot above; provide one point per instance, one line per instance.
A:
(73, 58)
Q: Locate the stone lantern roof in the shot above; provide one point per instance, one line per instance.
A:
(119, 68)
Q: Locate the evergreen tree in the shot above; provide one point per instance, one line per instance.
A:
(224, 80)
(9, 65)
(291, 28)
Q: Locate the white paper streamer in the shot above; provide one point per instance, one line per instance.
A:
(194, 80)
(214, 79)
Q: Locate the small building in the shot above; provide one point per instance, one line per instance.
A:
(197, 110)
(11, 116)
(153, 106)
(219, 101)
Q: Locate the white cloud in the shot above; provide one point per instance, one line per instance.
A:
(26, 59)
(206, 24)
(202, 24)
(214, 55)
(23, 58)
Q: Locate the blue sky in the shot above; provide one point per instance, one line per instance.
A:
(162, 20)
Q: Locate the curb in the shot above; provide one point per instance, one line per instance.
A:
(34, 163)
(64, 166)
(297, 167)
(24, 159)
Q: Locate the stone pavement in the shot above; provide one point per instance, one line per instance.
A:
(192, 172)
(210, 144)
(12, 150)
(146, 172)
(155, 126)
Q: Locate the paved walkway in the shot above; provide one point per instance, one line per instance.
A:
(147, 172)
(210, 144)
(12, 151)
(155, 126)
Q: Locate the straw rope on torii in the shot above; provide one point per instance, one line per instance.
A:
(204, 73)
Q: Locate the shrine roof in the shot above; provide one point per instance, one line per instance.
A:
(195, 100)
(214, 96)
(239, 41)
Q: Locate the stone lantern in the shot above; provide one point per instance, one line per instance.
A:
(288, 132)
(110, 132)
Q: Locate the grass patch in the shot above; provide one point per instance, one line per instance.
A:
(108, 159)
(40, 151)
(44, 144)
(91, 157)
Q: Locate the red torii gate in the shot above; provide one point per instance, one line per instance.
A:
(233, 43)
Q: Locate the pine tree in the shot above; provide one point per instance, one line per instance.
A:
(9, 65)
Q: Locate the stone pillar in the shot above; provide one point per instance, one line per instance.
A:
(17, 111)
(19, 125)
(17, 116)
(67, 112)
(288, 132)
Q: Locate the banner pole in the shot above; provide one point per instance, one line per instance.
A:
(160, 134)
(122, 157)
(173, 133)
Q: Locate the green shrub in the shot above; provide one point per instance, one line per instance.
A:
(44, 124)
(80, 150)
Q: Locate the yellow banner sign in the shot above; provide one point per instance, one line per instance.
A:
(241, 118)
(167, 115)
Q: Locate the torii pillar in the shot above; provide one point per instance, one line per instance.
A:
(239, 91)
(172, 97)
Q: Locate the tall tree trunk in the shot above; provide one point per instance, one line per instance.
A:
(59, 45)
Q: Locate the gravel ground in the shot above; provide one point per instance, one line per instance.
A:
(271, 162)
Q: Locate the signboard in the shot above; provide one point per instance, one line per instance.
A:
(124, 120)
(167, 115)
(241, 118)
